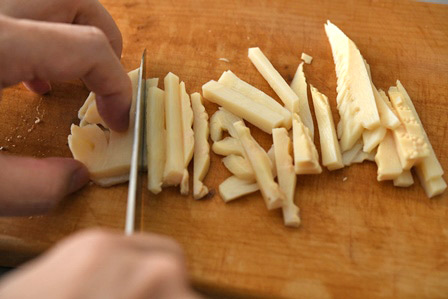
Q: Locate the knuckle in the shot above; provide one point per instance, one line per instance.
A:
(94, 241)
(168, 267)
(96, 36)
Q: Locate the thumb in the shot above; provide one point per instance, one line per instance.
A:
(34, 186)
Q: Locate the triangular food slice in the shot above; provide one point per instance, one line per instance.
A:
(299, 86)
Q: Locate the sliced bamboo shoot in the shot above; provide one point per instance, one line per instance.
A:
(92, 115)
(274, 79)
(286, 175)
(429, 170)
(306, 58)
(239, 167)
(387, 160)
(234, 187)
(433, 187)
(387, 116)
(91, 98)
(155, 137)
(184, 183)
(306, 157)
(230, 80)
(255, 113)
(299, 86)
(409, 138)
(106, 154)
(371, 138)
(350, 155)
(175, 162)
(201, 147)
(331, 153)
(363, 156)
(273, 196)
(354, 86)
(152, 82)
(404, 179)
(187, 122)
(222, 121)
(228, 146)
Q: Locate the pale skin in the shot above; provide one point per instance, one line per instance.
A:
(48, 40)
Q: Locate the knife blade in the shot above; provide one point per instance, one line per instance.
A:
(134, 190)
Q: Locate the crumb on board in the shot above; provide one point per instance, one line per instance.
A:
(307, 58)
(224, 59)
(38, 120)
(19, 136)
(344, 179)
(1, 148)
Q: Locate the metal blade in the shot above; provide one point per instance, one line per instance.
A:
(137, 149)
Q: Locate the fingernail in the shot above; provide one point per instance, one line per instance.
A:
(79, 178)
(38, 86)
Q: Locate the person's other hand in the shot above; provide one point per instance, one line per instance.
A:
(42, 49)
(99, 264)
(66, 40)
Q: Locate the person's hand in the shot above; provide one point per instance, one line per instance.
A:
(84, 43)
(98, 264)
(87, 46)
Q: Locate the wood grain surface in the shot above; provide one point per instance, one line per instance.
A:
(359, 238)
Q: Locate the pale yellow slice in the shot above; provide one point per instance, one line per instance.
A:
(331, 153)
(234, 187)
(299, 86)
(371, 138)
(106, 155)
(274, 79)
(155, 137)
(410, 140)
(201, 146)
(429, 170)
(230, 80)
(387, 160)
(404, 179)
(353, 79)
(222, 121)
(175, 161)
(187, 122)
(273, 196)
(351, 154)
(306, 157)
(257, 114)
(152, 82)
(286, 175)
(306, 58)
(228, 146)
(239, 167)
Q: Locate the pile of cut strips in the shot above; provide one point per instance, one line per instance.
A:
(372, 126)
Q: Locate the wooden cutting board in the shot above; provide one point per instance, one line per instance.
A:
(358, 238)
